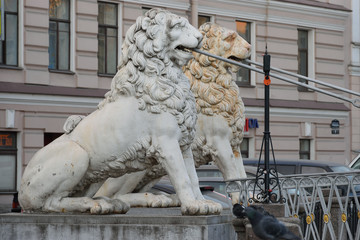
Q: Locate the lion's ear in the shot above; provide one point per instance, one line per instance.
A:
(145, 23)
(230, 36)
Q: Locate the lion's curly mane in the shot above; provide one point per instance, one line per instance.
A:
(215, 91)
(146, 72)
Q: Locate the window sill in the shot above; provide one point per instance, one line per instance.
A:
(106, 75)
(10, 67)
(245, 86)
(61, 71)
(8, 193)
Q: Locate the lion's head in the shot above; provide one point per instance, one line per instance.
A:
(152, 55)
(150, 66)
(211, 80)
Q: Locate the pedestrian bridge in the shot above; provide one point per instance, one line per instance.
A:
(327, 204)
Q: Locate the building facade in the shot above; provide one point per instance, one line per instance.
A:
(58, 58)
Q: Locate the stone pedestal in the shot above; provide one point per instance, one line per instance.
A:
(138, 223)
(243, 227)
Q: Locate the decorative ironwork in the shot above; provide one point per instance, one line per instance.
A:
(314, 199)
(326, 218)
(343, 217)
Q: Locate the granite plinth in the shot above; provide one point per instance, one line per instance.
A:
(138, 223)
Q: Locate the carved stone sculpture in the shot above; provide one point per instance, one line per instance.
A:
(147, 118)
(221, 118)
(219, 128)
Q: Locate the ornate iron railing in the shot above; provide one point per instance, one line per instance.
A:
(327, 204)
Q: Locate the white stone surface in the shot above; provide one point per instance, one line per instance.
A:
(147, 118)
(221, 119)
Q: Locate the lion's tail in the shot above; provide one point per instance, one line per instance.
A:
(71, 122)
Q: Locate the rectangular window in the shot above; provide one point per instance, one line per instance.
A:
(304, 152)
(203, 19)
(9, 44)
(49, 137)
(303, 61)
(244, 148)
(59, 35)
(107, 38)
(243, 75)
(8, 153)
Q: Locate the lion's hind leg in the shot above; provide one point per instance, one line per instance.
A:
(69, 173)
(54, 173)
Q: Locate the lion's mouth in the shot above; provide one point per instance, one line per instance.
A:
(235, 58)
(183, 49)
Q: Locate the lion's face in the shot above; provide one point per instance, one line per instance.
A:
(226, 43)
(171, 34)
(181, 35)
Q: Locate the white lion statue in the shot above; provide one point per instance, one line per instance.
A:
(219, 128)
(147, 118)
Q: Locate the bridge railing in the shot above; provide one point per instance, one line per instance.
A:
(327, 204)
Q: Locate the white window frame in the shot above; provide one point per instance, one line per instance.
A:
(21, 33)
(72, 35)
(120, 30)
(19, 164)
(253, 52)
(311, 55)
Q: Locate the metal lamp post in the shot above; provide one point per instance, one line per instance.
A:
(266, 177)
(267, 81)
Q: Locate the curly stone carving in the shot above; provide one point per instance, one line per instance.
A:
(147, 118)
(219, 128)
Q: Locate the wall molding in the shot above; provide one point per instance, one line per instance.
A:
(286, 7)
(297, 113)
(92, 102)
(49, 100)
(162, 3)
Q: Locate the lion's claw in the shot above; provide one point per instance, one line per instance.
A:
(201, 207)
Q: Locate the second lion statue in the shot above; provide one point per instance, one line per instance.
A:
(147, 118)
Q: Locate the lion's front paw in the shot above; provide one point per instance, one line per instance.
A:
(160, 200)
(106, 206)
(120, 206)
(201, 207)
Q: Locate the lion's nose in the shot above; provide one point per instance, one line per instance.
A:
(199, 37)
(248, 47)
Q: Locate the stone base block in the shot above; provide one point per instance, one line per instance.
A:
(138, 223)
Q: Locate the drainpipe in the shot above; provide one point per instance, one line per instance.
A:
(194, 13)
